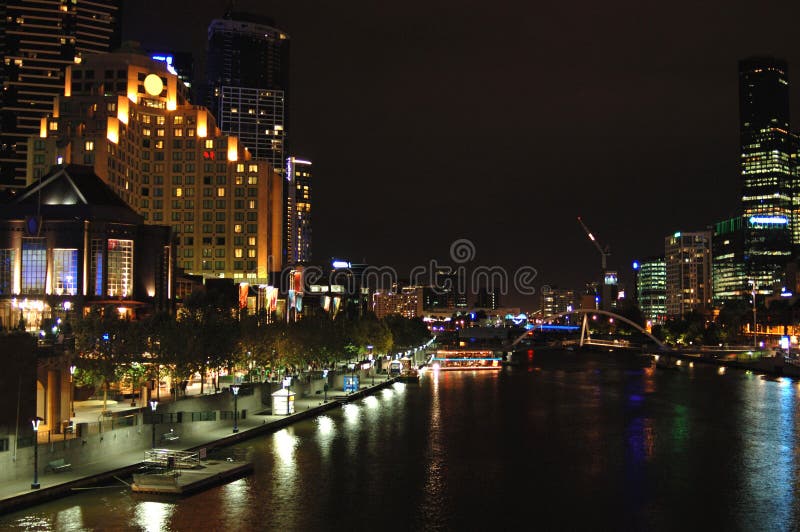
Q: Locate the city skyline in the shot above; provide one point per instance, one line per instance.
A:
(415, 147)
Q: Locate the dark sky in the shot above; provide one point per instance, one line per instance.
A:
(500, 122)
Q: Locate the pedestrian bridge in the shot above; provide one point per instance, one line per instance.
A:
(585, 338)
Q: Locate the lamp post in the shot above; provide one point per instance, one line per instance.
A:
(72, 369)
(35, 422)
(235, 390)
(153, 406)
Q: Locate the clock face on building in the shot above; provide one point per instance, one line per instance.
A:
(153, 85)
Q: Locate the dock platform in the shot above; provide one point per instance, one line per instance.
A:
(186, 473)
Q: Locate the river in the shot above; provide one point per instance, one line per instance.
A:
(571, 441)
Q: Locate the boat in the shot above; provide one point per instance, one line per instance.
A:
(408, 373)
(464, 360)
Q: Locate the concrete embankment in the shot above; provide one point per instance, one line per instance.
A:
(105, 467)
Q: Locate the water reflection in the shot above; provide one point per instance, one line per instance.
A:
(153, 516)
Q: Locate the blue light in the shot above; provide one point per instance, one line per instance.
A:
(168, 59)
(635, 265)
(778, 220)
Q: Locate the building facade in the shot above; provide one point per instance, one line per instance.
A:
(298, 210)
(729, 272)
(557, 300)
(248, 81)
(128, 117)
(406, 302)
(69, 241)
(651, 289)
(40, 39)
(687, 258)
(770, 200)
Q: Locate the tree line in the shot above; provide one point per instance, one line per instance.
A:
(206, 335)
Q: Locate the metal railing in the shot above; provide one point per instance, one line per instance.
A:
(172, 459)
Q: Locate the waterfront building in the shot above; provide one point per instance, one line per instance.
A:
(406, 302)
(557, 300)
(729, 271)
(298, 210)
(40, 39)
(651, 289)
(67, 242)
(687, 258)
(128, 117)
(770, 201)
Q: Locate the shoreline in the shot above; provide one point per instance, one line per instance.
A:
(26, 499)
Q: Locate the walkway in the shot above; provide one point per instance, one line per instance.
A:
(257, 423)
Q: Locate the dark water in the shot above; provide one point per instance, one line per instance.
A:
(597, 444)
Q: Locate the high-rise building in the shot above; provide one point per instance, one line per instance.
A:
(687, 258)
(127, 116)
(298, 210)
(729, 278)
(770, 201)
(40, 39)
(488, 298)
(651, 288)
(557, 300)
(248, 80)
(407, 302)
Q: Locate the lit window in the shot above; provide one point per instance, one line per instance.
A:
(237, 228)
(251, 241)
(251, 253)
(177, 120)
(240, 167)
(220, 192)
(209, 144)
(237, 253)
(252, 168)
(252, 180)
(251, 204)
(89, 145)
(179, 192)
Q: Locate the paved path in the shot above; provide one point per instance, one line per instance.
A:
(257, 423)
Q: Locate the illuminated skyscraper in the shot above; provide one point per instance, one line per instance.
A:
(39, 39)
(298, 210)
(248, 81)
(687, 258)
(651, 288)
(770, 200)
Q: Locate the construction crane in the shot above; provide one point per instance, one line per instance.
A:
(604, 253)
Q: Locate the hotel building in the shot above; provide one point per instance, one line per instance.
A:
(125, 115)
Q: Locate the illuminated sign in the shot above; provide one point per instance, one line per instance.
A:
(635, 265)
(169, 60)
(153, 85)
(779, 220)
(341, 264)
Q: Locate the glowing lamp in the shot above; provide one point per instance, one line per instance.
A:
(233, 149)
(122, 109)
(112, 129)
(153, 85)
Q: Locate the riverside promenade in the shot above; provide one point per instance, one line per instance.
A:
(109, 468)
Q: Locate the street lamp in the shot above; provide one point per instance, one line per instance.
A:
(35, 422)
(325, 385)
(72, 369)
(153, 406)
(235, 390)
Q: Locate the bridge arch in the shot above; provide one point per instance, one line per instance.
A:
(586, 312)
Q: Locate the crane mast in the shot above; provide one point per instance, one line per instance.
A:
(604, 253)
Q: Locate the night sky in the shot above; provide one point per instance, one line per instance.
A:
(501, 122)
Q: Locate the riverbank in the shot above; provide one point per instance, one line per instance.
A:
(111, 468)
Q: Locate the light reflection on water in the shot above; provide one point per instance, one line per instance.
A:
(153, 516)
(591, 446)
